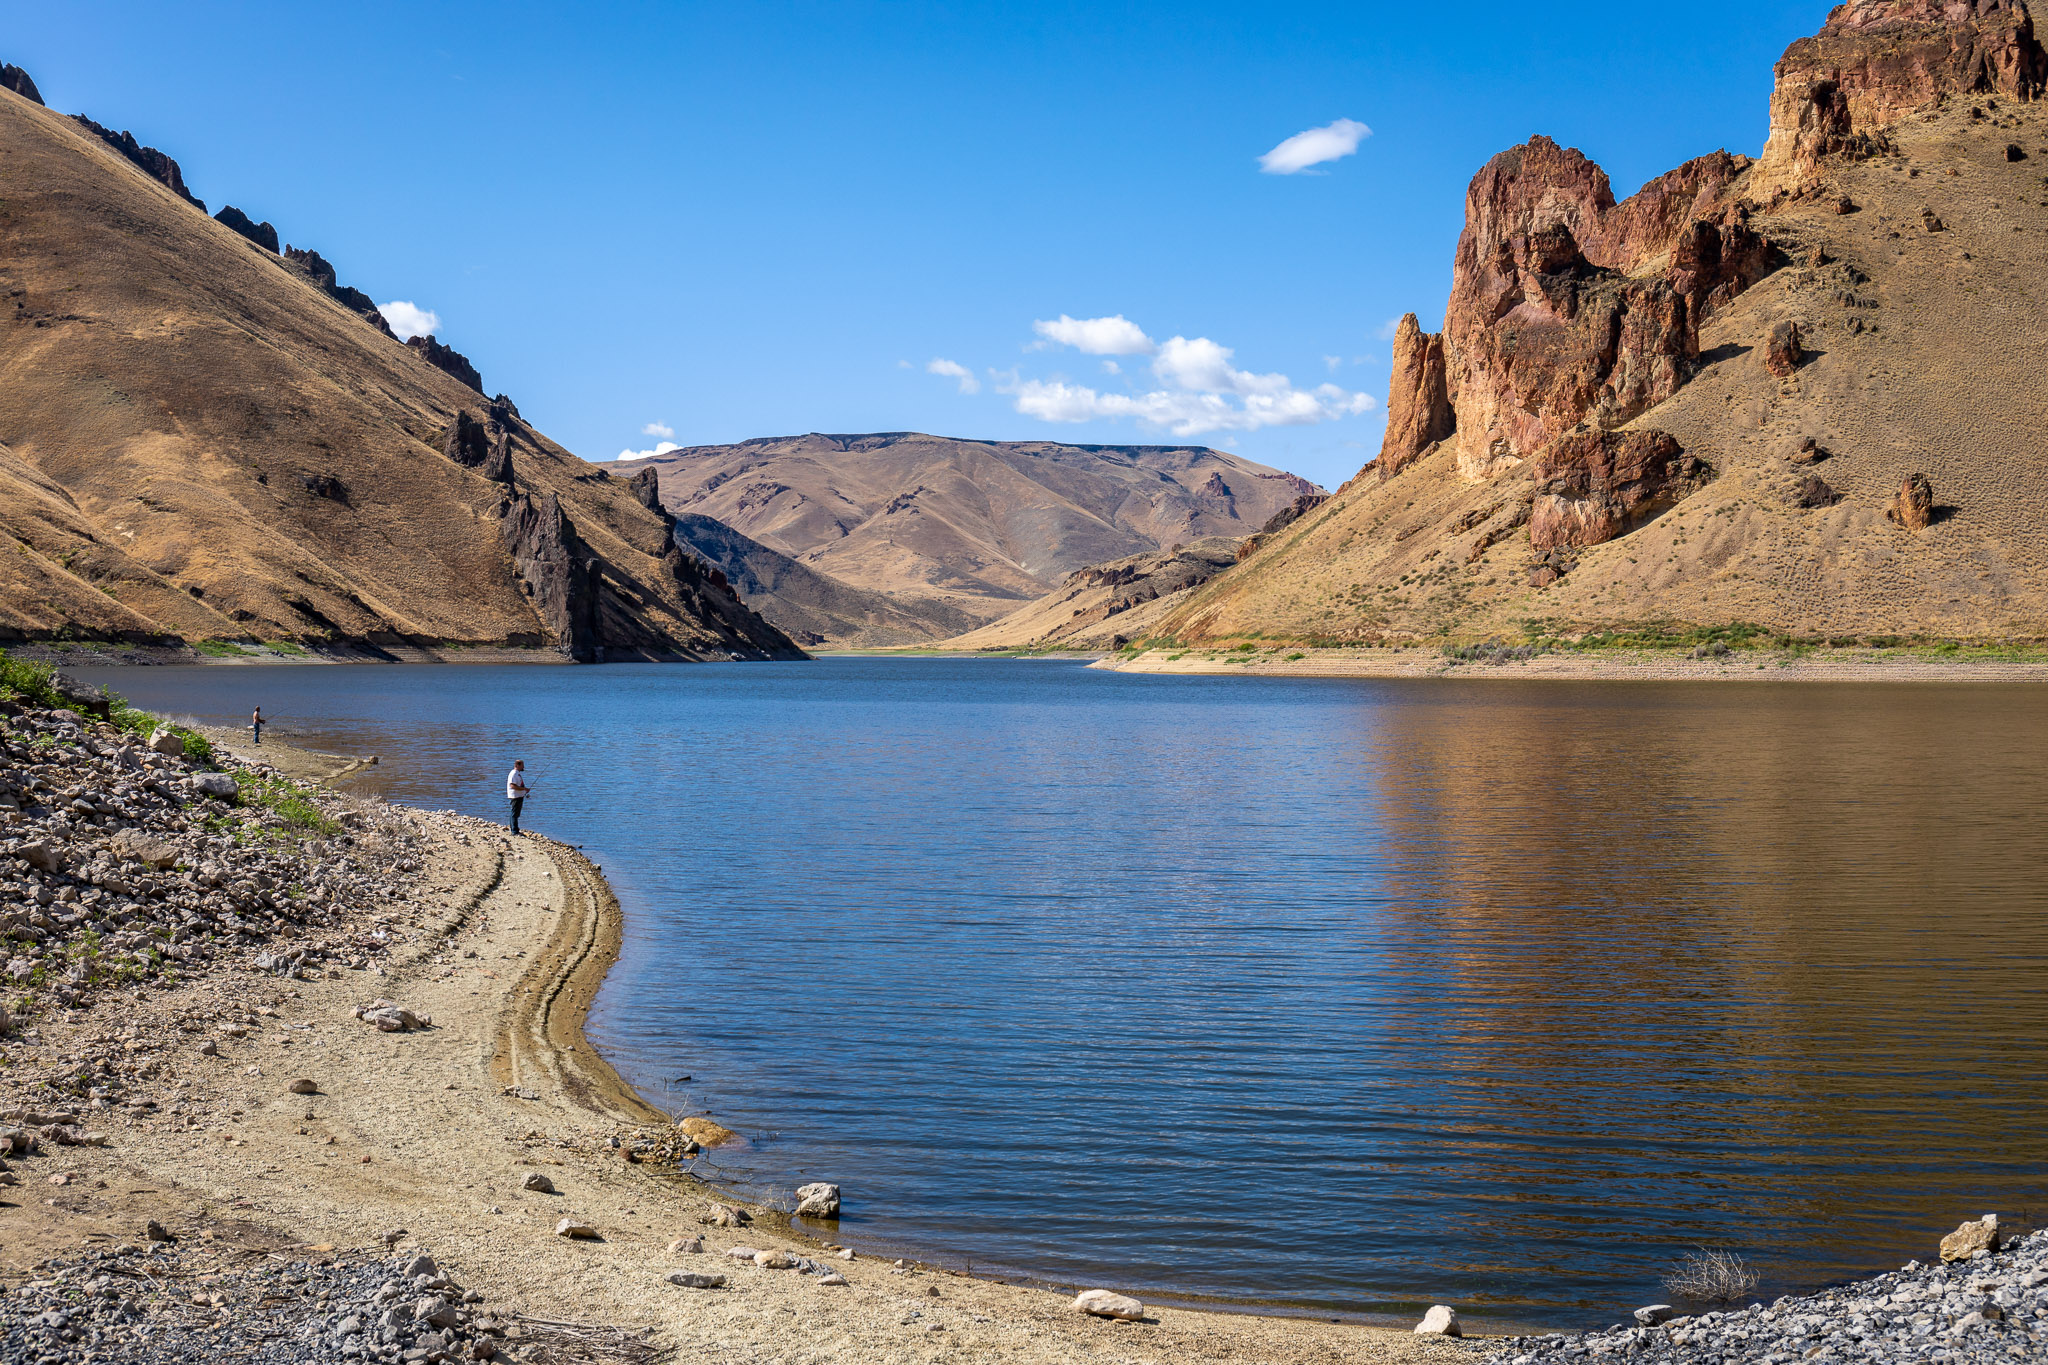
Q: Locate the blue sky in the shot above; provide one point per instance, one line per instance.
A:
(723, 221)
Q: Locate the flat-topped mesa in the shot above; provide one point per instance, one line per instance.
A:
(1876, 61)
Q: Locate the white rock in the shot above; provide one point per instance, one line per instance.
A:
(686, 1246)
(775, 1259)
(846, 1253)
(818, 1200)
(214, 784)
(1440, 1321)
(1655, 1313)
(1102, 1303)
(742, 1253)
(832, 1277)
(569, 1227)
(164, 742)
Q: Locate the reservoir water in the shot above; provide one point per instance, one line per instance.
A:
(1331, 996)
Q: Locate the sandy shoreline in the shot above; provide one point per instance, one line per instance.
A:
(436, 1131)
(1829, 666)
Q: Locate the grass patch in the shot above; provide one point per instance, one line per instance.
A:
(218, 649)
(34, 684)
(300, 816)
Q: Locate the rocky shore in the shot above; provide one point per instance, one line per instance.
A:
(1990, 1304)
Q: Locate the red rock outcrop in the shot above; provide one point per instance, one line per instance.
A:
(1782, 350)
(1595, 485)
(1913, 505)
(1568, 308)
(1419, 412)
(1877, 60)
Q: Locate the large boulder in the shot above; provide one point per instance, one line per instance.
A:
(1595, 485)
(817, 1200)
(1913, 505)
(1440, 1321)
(1875, 61)
(1980, 1234)
(1102, 1303)
(1782, 351)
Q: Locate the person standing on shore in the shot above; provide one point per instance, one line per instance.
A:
(256, 726)
(516, 790)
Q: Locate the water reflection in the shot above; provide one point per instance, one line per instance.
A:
(1339, 995)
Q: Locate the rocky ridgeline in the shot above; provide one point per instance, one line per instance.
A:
(1988, 1305)
(160, 1302)
(125, 863)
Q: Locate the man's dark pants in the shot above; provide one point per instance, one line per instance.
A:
(517, 803)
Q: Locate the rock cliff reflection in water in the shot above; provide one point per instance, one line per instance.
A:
(1342, 995)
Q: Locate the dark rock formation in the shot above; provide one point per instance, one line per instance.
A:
(1782, 351)
(448, 360)
(468, 444)
(14, 78)
(1877, 60)
(560, 575)
(1293, 512)
(325, 486)
(154, 163)
(1595, 485)
(1813, 491)
(262, 234)
(1419, 412)
(1559, 312)
(484, 445)
(1913, 505)
(317, 269)
(646, 486)
(1809, 451)
(2015, 152)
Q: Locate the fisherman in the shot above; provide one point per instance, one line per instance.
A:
(256, 726)
(516, 790)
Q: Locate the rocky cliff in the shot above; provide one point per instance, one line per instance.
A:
(207, 439)
(1803, 392)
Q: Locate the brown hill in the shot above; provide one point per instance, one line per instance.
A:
(1106, 605)
(958, 531)
(1805, 393)
(207, 440)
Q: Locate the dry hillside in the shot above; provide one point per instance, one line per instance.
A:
(205, 439)
(957, 533)
(1705, 406)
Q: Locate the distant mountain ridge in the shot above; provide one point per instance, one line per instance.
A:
(954, 532)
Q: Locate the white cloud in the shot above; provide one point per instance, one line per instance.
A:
(661, 429)
(1096, 336)
(1201, 392)
(1111, 367)
(409, 320)
(1315, 146)
(1333, 363)
(953, 369)
(660, 448)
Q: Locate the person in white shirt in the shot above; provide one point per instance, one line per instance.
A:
(516, 790)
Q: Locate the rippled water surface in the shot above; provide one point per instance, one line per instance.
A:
(1344, 996)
